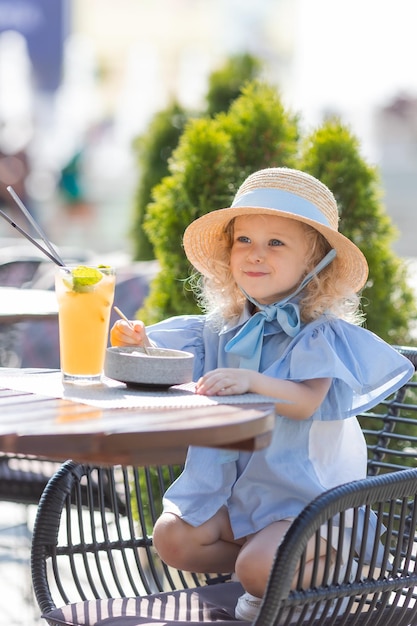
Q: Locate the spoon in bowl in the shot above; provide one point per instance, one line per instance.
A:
(129, 323)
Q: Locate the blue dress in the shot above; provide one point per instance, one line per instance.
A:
(305, 457)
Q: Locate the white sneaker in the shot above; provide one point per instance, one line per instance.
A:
(247, 607)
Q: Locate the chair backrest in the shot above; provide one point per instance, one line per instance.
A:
(375, 583)
(97, 524)
(390, 428)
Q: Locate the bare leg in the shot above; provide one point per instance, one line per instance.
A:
(255, 559)
(206, 548)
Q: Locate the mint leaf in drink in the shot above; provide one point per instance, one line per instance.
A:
(83, 278)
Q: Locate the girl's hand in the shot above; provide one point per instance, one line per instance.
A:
(224, 382)
(122, 334)
(295, 399)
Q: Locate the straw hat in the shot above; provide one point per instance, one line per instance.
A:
(282, 192)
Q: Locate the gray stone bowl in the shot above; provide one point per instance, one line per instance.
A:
(161, 368)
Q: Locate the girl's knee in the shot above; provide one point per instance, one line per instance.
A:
(170, 535)
(251, 571)
(254, 562)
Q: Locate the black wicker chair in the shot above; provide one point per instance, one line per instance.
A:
(95, 565)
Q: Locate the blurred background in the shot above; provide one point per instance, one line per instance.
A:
(81, 79)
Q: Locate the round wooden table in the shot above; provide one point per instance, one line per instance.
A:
(61, 428)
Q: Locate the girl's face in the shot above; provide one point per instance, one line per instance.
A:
(268, 256)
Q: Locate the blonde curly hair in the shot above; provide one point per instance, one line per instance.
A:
(221, 299)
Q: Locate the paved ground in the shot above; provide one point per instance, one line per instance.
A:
(17, 605)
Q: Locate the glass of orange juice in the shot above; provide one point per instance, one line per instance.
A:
(85, 295)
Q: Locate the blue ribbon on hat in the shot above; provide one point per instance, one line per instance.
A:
(248, 342)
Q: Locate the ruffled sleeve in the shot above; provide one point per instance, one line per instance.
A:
(183, 332)
(363, 367)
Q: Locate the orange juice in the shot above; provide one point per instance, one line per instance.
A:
(85, 296)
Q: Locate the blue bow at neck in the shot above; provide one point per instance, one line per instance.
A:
(248, 341)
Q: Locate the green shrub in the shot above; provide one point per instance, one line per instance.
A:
(153, 150)
(214, 156)
(331, 153)
(225, 84)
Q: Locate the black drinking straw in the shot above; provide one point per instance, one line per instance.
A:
(55, 259)
(35, 225)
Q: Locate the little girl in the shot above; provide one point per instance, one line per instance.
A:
(279, 288)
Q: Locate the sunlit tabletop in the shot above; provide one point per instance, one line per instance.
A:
(112, 424)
